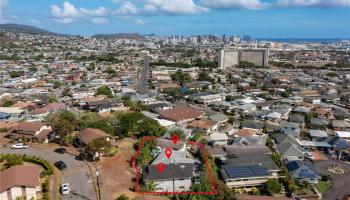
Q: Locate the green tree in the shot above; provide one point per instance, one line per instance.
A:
(181, 77)
(56, 84)
(273, 186)
(100, 145)
(8, 103)
(204, 76)
(63, 122)
(91, 67)
(104, 90)
(123, 197)
(15, 74)
(32, 68)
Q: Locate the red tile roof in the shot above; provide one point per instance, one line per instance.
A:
(19, 175)
(48, 108)
(180, 113)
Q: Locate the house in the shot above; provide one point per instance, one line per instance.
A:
(250, 141)
(341, 125)
(343, 134)
(290, 128)
(210, 98)
(318, 134)
(219, 117)
(181, 114)
(40, 113)
(104, 105)
(206, 126)
(244, 176)
(246, 108)
(322, 113)
(86, 136)
(20, 181)
(218, 139)
(274, 117)
(302, 171)
(284, 110)
(302, 109)
(261, 155)
(299, 119)
(338, 143)
(319, 123)
(36, 131)
(177, 173)
(291, 151)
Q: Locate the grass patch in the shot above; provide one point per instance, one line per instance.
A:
(322, 186)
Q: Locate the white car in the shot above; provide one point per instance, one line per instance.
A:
(65, 189)
(19, 146)
(309, 156)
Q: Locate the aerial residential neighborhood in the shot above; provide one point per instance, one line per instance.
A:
(170, 116)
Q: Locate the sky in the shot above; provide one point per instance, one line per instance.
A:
(258, 18)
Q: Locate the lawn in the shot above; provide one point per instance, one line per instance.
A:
(322, 186)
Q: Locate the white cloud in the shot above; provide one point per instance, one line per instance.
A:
(313, 3)
(236, 4)
(68, 13)
(3, 6)
(128, 8)
(64, 20)
(99, 20)
(186, 7)
(99, 12)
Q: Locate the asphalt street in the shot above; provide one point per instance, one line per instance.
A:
(143, 81)
(340, 184)
(77, 173)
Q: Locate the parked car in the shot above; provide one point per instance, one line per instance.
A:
(19, 146)
(309, 156)
(65, 189)
(60, 165)
(60, 150)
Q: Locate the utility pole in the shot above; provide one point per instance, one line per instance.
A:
(98, 183)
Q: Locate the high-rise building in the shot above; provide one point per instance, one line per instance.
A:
(231, 57)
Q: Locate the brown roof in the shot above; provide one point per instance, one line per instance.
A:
(203, 124)
(168, 86)
(48, 108)
(19, 175)
(29, 126)
(89, 134)
(180, 113)
(21, 104)
(246, 132)
(321, 111)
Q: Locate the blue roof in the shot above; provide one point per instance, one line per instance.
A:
(307, 175)
(245, 171)
(4, 115)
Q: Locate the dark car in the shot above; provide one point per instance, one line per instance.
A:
(60, 165)
(60, 150)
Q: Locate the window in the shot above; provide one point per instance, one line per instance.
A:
(182, 187)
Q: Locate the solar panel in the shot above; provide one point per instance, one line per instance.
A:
(245, 171)
(307, 175)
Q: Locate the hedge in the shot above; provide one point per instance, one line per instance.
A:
(33, 159)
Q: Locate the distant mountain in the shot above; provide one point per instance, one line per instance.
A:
(19, 28)
(118, 36)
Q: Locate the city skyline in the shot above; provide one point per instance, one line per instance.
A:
(260, 19)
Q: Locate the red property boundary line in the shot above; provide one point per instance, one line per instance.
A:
(211, 179)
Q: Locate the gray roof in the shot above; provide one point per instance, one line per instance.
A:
(318, 133)
(218, 117)
(171, 171)
(340, 124)
(287, 150)
(290, 124)
(319, 122)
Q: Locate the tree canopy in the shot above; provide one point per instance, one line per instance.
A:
(104, 90)
(181, 77)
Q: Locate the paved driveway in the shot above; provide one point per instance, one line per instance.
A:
(77, 172)
(340, 183)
